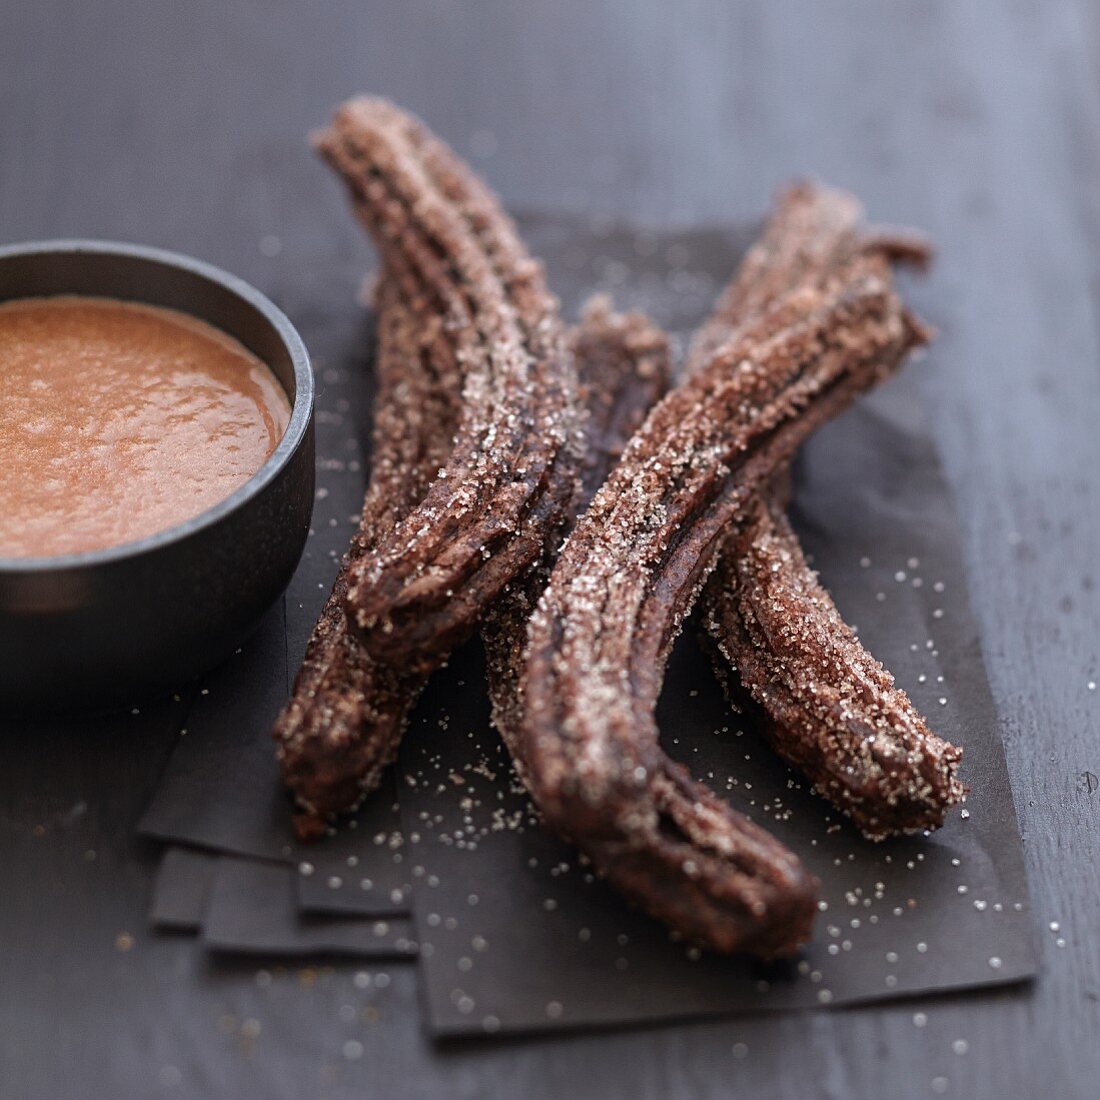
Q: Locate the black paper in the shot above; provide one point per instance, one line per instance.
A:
(503, 932)
(182, 888)
(348, 891)
(251, 910)
(509, 944)
(514, 934)
(249, 907)
(221, 789)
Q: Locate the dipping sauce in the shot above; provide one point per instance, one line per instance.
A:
(118, 420)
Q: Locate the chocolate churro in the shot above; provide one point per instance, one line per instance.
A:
(510, 475)
(486, 449)
(344, 721)
(627, 577)
(623, 366)
(475, 456)
(834, 711)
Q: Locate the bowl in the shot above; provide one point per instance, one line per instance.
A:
(111, 627)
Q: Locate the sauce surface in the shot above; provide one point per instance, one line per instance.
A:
(118, 420)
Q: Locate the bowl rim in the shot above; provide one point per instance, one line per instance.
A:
(301, 413)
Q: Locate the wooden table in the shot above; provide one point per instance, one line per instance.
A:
(183, 125)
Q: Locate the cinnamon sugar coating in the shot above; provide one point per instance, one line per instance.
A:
(749, 888)
(510, 475)
(623, 366)
(342, 725)
(629, 574)
(475, 454)
(485, 449)
(834, 711)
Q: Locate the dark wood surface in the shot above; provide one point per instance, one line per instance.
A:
(183, 124)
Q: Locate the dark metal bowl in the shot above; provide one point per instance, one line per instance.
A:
(112, 626)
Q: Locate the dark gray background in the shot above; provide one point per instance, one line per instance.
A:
(182, 125)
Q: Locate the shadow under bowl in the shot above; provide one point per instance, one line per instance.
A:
(110, 627)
